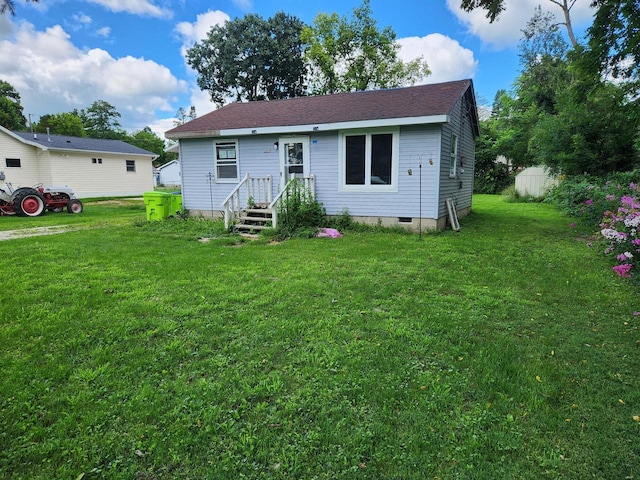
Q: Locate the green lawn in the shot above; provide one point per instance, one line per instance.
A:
(507, 350)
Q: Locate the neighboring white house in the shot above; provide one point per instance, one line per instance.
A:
(392, 156)
(535, 181)
(91, 167)
(169, 174)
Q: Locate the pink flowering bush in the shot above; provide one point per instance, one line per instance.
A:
(621, 228)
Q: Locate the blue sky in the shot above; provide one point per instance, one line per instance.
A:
(65, 54)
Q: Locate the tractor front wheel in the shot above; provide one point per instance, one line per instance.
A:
(74, 206)
(29, 203)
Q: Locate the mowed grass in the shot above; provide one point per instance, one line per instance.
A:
(507, 350)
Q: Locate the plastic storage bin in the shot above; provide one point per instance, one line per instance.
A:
(158, 205)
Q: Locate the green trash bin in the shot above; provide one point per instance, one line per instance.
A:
(157, 204)
(175, 204)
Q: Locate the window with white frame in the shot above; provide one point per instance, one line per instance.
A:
(369, 161)
(131, 165)
(226, 156)
(96, 161)
(453, 156)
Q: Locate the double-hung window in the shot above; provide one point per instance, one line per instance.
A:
(369, 161)
(226, 155)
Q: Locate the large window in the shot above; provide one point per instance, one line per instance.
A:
(226, 161)
(370, 161)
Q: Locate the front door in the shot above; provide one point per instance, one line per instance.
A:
(294, 158)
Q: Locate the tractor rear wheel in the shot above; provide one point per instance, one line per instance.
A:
(29, 203)
(74, 206)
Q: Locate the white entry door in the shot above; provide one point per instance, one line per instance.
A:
(294, 158)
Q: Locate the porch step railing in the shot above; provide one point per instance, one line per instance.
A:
(309, 183)
(258, 192)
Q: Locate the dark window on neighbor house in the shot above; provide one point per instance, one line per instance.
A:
(99, 161)
(12, 162)
(131, 165)
(226, 161)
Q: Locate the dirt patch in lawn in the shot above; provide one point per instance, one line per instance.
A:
(34, 232)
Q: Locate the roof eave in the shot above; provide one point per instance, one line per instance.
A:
(309, 128)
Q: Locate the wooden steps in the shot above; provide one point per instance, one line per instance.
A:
(254, 219)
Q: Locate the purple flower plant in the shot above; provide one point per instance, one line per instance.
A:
(621, 228)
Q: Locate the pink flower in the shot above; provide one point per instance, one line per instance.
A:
(610, 197)
(589, 202)
(623, 270)
(572, 225)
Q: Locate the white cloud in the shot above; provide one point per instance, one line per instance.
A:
(506, 31)
(81, 18)
(137, 7)
(447, 59)
(198, 30)
(103, 32)
(54, 76)
(243, 4)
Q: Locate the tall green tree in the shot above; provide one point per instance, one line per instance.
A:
(351, 54)
(61, 124)
(100, 120)
(251, 58)
(544, 77)
(182, 116)
(150, 141)
(614, 40)
(592, 134)
(11, 115)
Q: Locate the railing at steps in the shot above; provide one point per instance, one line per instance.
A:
(309, 183)
(257, 188)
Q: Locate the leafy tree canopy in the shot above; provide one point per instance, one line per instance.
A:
(100, 120)
(11, 115)
(251, 58)
(350, 54)
(61, 124)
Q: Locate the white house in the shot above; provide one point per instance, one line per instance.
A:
(91, 167)
(169, 174)
(389, 156)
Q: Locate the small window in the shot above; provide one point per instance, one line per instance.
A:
(98, 161)
(226, 157)
(131, 165)
(12, 162)
(454, 156)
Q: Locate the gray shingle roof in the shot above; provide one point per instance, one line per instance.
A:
(65, 142)
(408, 102)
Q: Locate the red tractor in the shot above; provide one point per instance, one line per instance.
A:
(32, 202)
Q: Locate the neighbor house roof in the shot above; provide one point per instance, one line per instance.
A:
(410, 105)
(66, 142)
